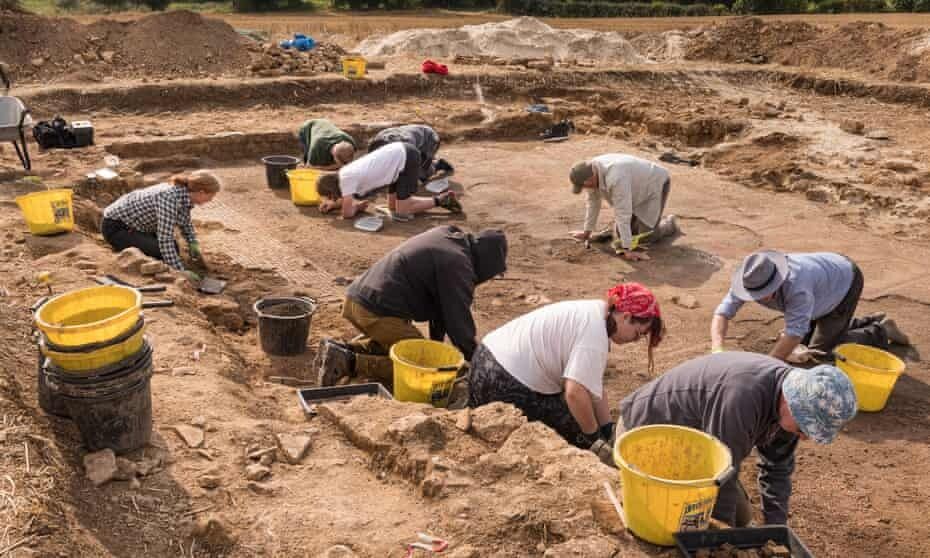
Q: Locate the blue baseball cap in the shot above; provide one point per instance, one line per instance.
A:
(821, 401)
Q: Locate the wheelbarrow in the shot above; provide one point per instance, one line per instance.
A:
(14, 121)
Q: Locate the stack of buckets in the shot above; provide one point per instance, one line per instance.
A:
(95, 365)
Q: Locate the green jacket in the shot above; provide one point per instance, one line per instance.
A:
(317, 138)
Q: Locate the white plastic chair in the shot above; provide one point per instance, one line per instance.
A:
(14, 121)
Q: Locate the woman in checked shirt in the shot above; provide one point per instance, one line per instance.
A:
(147, 218)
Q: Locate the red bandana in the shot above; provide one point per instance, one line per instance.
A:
(635, 299)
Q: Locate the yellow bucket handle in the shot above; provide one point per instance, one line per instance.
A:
(725, 476)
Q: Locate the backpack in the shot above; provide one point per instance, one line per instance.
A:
(56, 133)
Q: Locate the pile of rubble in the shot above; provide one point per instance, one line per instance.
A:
(270, 60)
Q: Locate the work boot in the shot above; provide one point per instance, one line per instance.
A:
(667, 227)
(448, 201)
(333, 362)
(443, 166)
(893, 332)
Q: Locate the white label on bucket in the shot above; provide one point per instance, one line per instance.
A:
(696, 515)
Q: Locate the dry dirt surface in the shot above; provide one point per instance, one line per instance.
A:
(780, 157)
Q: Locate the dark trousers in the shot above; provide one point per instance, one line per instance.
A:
(489, 382)
(841, 325)
(120, 236)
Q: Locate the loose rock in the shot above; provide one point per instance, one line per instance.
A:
(900, 165)
(495, 422)
(125, 469)
(191, 435)
(339, 551)
(417, 428)
(213, 533)
(151, 268)
(878, 135)
(209, 481)
(852, 127)
(819, 194)
(293, 447)
(131, 259)
(100, 467)
(256, 472)
(686, 301)
(259, 488)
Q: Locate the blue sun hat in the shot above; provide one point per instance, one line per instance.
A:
(821, 401)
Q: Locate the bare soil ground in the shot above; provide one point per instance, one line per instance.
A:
(785, 160)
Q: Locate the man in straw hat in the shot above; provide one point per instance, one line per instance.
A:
(816, 292)
(746, 400)
(637, 190)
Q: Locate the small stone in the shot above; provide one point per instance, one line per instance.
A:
(463, 421)
(293, 447)
(100, 467)
(212, 532)
(191, 435)
(339, 551)
(209, 481)
(125, 469)
(261, 489)
(153, 267)
(267, 459)
(108, 56)
(199, 421)
(183, 371)
(686, 301)
(878, 135)
(820, 194)
(135, 483)
(131, 259)
(900, 165)
(86, 266)
(256, 472)
(146, 467)
(852, 127)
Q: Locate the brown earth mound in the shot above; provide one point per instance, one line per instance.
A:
(867, 47)
(165, 45)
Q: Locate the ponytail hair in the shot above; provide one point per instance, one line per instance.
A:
(197, 181)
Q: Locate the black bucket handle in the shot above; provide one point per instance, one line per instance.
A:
(725, 476)
(307, 299)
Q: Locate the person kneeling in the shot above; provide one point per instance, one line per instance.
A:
(550, 363)
(395, 166)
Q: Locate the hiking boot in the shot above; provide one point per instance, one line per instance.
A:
(443, 166)
(334, 361)
(893, 332)
(448, 201)
(667, 227)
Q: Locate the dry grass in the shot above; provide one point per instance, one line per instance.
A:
(359, 26)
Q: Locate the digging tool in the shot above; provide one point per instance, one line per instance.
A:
(157, 304)
(113, 280)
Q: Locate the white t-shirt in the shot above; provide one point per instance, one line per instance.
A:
(372, 171)
(562, 340)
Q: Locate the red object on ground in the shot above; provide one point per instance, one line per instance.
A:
(431, 67)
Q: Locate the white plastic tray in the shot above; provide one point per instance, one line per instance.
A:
(438, 186)
(370, 223)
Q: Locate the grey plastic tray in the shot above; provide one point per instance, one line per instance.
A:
(312, 396)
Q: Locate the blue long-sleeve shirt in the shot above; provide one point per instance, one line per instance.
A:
(816, 283)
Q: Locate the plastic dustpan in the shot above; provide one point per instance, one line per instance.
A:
(370, 223)
(438, 186)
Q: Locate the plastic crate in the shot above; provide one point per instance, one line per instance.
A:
(689, 542)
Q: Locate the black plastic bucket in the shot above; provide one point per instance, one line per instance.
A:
(112, 408)
(284, 324)
(49, 401)
(276, 167)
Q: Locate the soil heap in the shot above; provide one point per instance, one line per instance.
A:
(524, 37)
(165, 45)
(861, 46)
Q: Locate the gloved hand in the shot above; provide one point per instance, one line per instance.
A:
(193, 276)
(604, 452)
(195, 251)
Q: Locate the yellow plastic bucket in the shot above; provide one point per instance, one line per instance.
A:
(424, 371)
(353, 67)
(670, 476)
(89, 358)
(47, 212)
(873, 373)
(303, 186)
(91, 315)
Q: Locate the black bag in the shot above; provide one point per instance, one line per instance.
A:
(56, 133)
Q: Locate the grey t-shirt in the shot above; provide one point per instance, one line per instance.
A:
(815, 285)
(733, 396)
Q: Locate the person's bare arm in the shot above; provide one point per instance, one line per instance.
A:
(718, 331)
(350, 208)
(602, 411)
(784, 346)
(580, 404)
